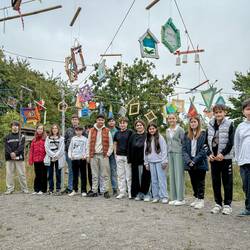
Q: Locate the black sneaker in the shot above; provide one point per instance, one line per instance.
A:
(106, 195)
(92, 194)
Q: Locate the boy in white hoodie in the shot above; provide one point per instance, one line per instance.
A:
(77, 153)
(242, 154)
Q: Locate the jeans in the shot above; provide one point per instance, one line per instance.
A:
(245, 176)
(158, 180)
(51, 176)
(70, 172)
(197, 177)
(79, 166)
(113, 171)
(41, 179)
(222, 171)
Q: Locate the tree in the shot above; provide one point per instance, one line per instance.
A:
(139, 83)
(242, 85)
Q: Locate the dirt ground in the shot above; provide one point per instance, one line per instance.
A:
(62, 222)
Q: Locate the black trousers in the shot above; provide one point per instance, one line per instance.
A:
(222, 171)
(245, 175)
(136, 186)
(40, 181)
(197, 177)
(79, 166)
(89, 175)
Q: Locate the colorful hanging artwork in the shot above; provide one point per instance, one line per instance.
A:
(69, 68)
(179, 104)
(220, 100)
(40, 105)
(78, 103)
(101, 71)
(110, 113)
(170, 36)
(101, 108)
(77, 58)
(192, 112)
(208, 96)
(84, 112)
(92, 105)
(149, 45)
(134, 108)
(30, 115)
(171, 108)
(150, 116)
(122, 111)
(85, 93)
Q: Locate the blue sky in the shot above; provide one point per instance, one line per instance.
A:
(219, 27)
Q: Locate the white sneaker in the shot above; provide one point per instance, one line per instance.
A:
(216, 209)
(84, 194)
(120, 196)
(8, 192)
(137, 198)
(199, 204)
(25, 191)
(155, 200)
(34, 193)
(164, 201)
(73, 193)
(40, 193)
(172, 202)
(179, 203)
(147, 198)
(194, 202)
(227, 210)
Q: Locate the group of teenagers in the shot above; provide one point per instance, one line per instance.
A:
(135, 162)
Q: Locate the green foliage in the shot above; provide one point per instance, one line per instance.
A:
(140, 83)
(242, 85)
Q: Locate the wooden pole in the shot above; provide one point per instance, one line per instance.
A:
(31, 13)
(103, 55)
(152, 4)
(75, 16)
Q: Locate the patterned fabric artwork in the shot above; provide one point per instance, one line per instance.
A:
(30, 115)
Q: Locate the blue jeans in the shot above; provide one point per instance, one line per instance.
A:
(158, 180)
(245, 176)
(113, 171)
(70, 172)
(54, 165)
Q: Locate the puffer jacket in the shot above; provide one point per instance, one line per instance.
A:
(37, 150)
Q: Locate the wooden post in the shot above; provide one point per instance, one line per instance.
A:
(104, 55)
(152, 4)
(31, 13)
(75, 16)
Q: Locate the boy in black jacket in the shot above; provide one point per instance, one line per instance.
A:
(14, 155)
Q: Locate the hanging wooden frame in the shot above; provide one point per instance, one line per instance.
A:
(77, 52)
(134, 108)
(150, 116)
(69, 68)
(62, 106)
(149, 45)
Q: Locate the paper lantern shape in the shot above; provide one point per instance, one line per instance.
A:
(220, 101)
(150, 116)
(208, 97)
(149, 45)
(192, 112)
(179, 104)
(92, 105)
(101, 71)
(170, 36)
(134, 108)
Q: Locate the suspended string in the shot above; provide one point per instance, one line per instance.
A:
(189, 37)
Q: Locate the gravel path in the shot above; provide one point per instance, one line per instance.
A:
(50, 222)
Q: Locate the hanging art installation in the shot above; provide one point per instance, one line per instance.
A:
(12, 102)
(101, 108)
(110, 113)
(208, 96)
(84, 112)
(30, 115)
(134, 108)
(192, 112)
(179, 104)
(62, 106)
(150, 116)
(171, 108)
(92, 105)
(149, 45)
(170, 36)
(220, 100)
(122, 111)
(85, 93)
(101, 71)
(69, 68)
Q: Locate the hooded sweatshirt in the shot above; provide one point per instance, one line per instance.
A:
(77, 147)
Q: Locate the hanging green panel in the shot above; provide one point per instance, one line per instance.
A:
(220, 100)
(208, 96)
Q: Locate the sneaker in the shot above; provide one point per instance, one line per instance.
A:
(73, 193)
(84, 194)
(130, 196)
(155, 200)
(34, 193)
(147, 198)
(106, 195)
(50, 192)
(243, 213)
(216, 209)
(172, 202)
(92, 194)
(40, 193)
(227, 210)
(25, 191)
(199, 204)
(8, 192)
(138, 198)
(120, 196)
(179, 203)
(164, 201)
(194, 202)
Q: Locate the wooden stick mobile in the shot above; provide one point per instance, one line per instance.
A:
(148, 7)
(185, 53)
(75, 16)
